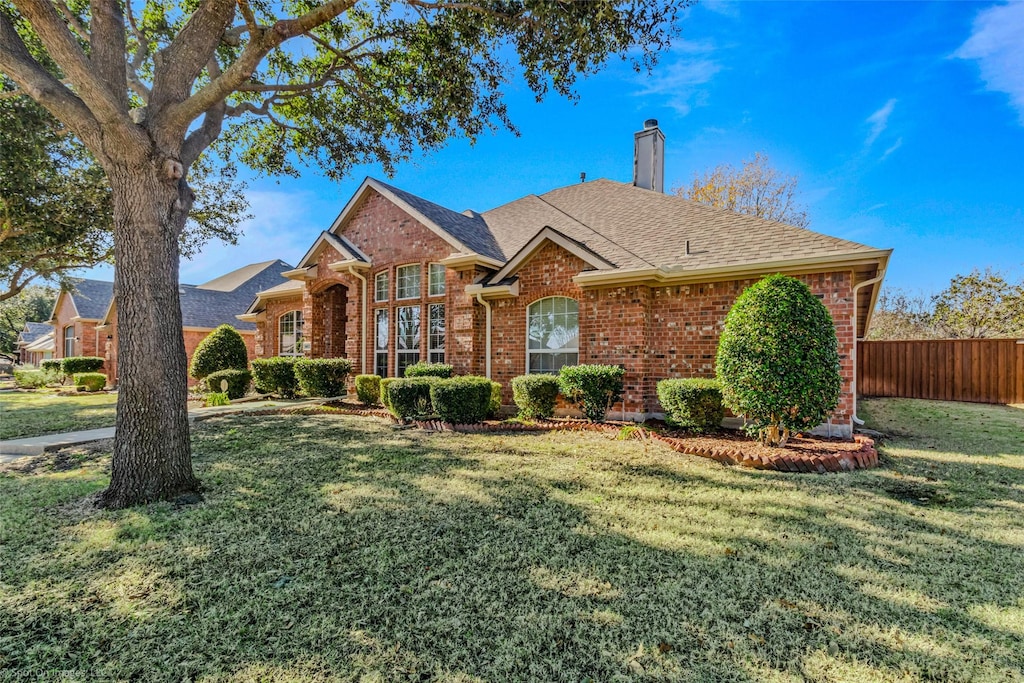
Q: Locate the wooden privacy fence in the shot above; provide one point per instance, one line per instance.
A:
(976, 370)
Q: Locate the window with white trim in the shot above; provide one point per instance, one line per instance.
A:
(407, 282)
(380, 344)
(435, 276)
(290, 334)
(435, 334)
(553, 334)
(407, 338)
(69, 341)
(380, 286)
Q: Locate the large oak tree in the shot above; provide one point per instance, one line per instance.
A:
(148, 88)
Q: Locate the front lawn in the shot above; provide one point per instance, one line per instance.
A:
(35, 413)
(337, 548)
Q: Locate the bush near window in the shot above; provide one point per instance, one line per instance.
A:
(222, 349)
(495, 405)
(238, 382)
(778, 359)
(535, 395)
(216, 398)
(275, 375)
(409, 398)
(693, 404)
(384, 400)
(368, 389)
(592, 388)
(90, 381)
(461, 400)
(30, 379)
(75, 364)
(423, 369)
(322, 376)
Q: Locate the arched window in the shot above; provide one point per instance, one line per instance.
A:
(290, 331)
(552, 334)
(69, 341)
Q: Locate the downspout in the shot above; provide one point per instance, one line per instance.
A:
(877, 278)
(487, 335)
(362, 338)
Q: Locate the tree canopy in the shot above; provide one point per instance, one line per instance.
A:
(33, 304)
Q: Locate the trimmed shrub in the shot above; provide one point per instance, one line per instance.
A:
(409, 398)
(368, 389)
(72, 365)
(216, 398)
(30, 379)
(535, 395)
(275, 375)
(778, 359)
(51, 365)
(592, 388)
(384, 382)
(461, 400)
(495, 406)
(442, 370)
(238, 382)
(90, 381)
(222, 349)
(322, 376)
(693, 404)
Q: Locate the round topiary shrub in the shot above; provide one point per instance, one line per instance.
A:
(442, 370)
(238, 382)
(90, 381)
(693, 404)
(778, 359)
(461, 400)
(535, 395)
(322, 376)
(275, 375)
(409, 398)
(368, 389)
(592, 388)
(73, 365)
(222, 349)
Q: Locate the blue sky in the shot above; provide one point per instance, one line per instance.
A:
(904, 122)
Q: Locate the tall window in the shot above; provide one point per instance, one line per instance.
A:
(290, 334)
(380, 286)
(435, 338)
(380, 344)
(436, 278)
(407, 282)
(69, 341)
(407, 338)
(553, 334)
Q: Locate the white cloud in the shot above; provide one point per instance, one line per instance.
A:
(879, 120)
(679, 76)
(997, 44)
(892, 148)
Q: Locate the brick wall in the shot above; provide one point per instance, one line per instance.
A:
(89, 342)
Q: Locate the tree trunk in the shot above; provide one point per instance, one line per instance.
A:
(152, 455)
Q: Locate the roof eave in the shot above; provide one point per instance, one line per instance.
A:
(493, 291)
(252, 317)
(348, 264)
(309, 273)
(460, 261)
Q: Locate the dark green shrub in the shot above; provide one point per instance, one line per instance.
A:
(30, 379)
(384, 382)
(495, 405)
(216, 398)
(409, 398)
(72, 365)
(592, 388)
(778, 359)
(275, 375)
(51, 365)
(222, 349)
(368, 389)
(322, 376)
(442, 370)
(693, 404)
(238, 382)
(90, 381)
(535, 395)
(461, 400)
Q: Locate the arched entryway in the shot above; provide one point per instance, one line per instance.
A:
(329, 322)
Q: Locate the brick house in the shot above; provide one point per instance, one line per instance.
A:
(35, 343)
(85, 316)
(596, 272)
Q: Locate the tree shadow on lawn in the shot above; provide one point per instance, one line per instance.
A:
(347, 548)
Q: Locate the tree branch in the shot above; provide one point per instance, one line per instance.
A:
(108, 49)
(73, 20)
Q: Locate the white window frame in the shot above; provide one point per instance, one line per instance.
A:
(382, 275)
(436, 354)
(297, 321)
(399, 279)
(564, 350)
(379, 350)
(431, 290)
(403, 355)
(69, 338)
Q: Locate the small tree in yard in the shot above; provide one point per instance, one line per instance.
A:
(778, 359)
(222, 349)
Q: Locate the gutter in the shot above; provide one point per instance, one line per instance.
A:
(856, 287)
(362, 339)
(487, 335)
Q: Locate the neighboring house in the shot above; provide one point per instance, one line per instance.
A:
(35, 343)
(597, 272)
(89, 311)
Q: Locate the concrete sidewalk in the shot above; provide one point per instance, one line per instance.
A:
(36, 445)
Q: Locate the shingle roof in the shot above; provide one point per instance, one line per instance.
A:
(204, 306)
(34, 331)
(231, 281)
(91, 297)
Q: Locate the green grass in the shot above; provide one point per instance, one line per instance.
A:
(337, 548)
(45, 412)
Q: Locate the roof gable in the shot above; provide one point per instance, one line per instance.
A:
(341, 244)
(545, 235)
(89, 298)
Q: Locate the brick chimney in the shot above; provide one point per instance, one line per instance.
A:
(649, 157)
